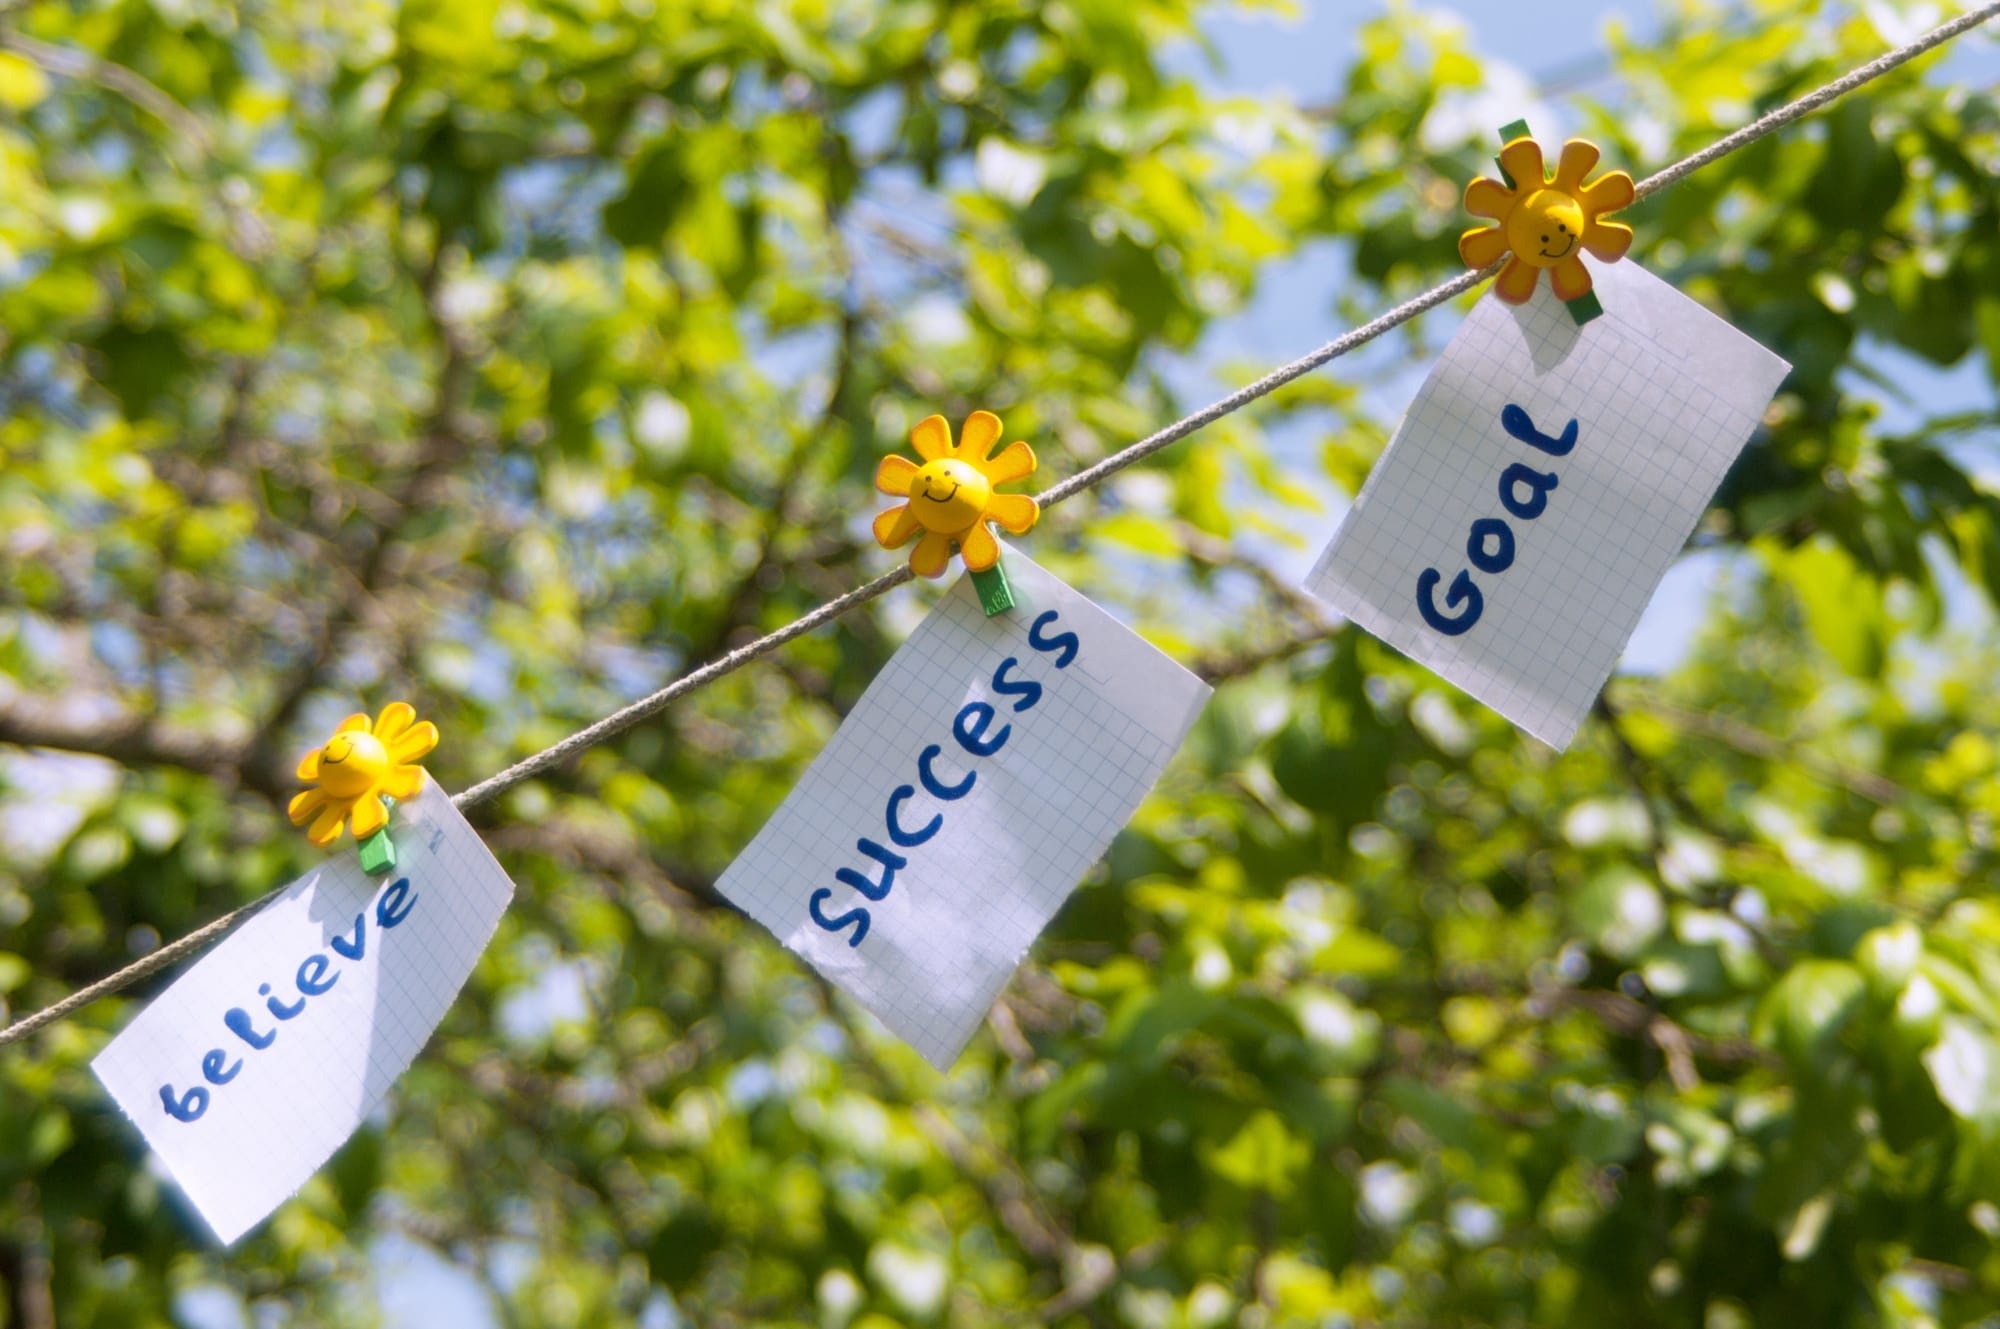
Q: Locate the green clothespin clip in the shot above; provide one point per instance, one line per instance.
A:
(378, 851)
(1508, 133)
(952, 498)
(995, 595)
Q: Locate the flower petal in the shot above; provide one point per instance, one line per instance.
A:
(1607, 240)
(1569, 278)
(931, 555)
(1483, 246)
(980, 549)
(326, 826)
(896, 527)
(1522, 159)
(305, 804)
(1015, 461)
(981, 432)
(1489, 198)
(895, 475)
(309, 765)
(932, 437)
(1016, 512)
(1578, 156)
(1517, 282)
(416, 743)
(369, 816)
(403, 782)
(396, 717)
(358, 720)
(1608, 193)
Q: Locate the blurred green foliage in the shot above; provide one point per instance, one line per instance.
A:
(513, 359)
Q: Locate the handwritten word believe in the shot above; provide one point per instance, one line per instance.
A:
(969, 727)
(1463, 589)
(315, 978)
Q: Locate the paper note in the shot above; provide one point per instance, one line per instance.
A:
(979, 777)
(258, 1063)
(1543, 481)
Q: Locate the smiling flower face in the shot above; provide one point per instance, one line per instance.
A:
(359, 765)
(1544, 222)
(951, 495)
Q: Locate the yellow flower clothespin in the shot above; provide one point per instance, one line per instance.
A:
(951, 499)
(1545, 222)
(358, 773)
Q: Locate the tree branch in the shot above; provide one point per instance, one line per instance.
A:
(1754, 742)
(25, 1267)
(1087, 1271)
(182, 124)
(1220, 554)
(132, 741)
(1223, 666)
(443, 445)
(748, 595)
(250, 237)
(563, 840)
(1636, 771)
(1622, 1015)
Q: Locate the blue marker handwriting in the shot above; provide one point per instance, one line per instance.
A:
(1524, 492)
(972, 728)
(314, 977)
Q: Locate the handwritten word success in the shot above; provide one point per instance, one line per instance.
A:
(972, 729)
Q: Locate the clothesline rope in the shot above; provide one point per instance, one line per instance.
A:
(647, 707)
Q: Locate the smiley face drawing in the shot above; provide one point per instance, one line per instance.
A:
(1545, 220)
(350, 762)
(951, 495)
(1542, 223)
(355, 768)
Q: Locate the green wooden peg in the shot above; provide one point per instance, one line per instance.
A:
(995, 595)
(1584, 308)
(378, 851)
(1508, 133)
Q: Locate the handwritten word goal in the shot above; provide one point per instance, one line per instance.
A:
(1665, 395)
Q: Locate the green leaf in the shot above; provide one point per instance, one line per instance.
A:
(1964, 1065)
(1262, 1156)
(1802, 1015)
(1842, 605)
(22, 82)
(1334, 755)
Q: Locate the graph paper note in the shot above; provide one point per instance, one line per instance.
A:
(341, 979)
(1556, 575)
(995, 832)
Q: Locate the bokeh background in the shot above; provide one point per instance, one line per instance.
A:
(515, 358)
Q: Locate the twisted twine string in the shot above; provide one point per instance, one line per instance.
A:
(647, 707)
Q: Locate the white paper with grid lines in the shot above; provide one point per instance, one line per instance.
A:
(956, 921)
(287, 1107)
(1665, 395)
